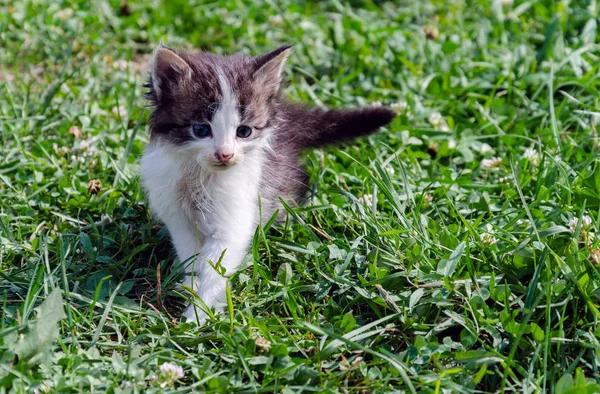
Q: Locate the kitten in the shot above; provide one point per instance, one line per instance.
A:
(220, 137)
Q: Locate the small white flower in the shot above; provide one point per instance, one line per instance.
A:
(84, 145)
(87, 146)
(170, 373)
(390, 170)
(400, 107)
(573, 224)
(376, 104)
(586, 235)
(532, 156)
(487, 239)
(586, 222)
(435, 119)
(444, 127)
(429, 198)
(366, 200)
(492, 163)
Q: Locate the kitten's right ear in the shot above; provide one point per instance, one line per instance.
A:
(268, 68)
(168, 70)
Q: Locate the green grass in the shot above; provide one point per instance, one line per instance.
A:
(415, 268)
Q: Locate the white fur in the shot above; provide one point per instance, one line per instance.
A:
(226, 120)
(208, 210)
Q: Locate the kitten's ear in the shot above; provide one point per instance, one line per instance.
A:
(268, 68)
(168, 70)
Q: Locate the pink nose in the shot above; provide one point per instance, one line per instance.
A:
(223, 157)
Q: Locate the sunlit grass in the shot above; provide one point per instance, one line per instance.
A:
(452, 252)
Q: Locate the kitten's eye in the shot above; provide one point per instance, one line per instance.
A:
(244, 131)
(201, 130)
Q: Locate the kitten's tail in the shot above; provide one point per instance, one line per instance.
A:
(322, 127)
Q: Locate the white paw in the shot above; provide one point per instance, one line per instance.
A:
(194, 314)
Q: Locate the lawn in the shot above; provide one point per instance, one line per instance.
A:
(452, 252)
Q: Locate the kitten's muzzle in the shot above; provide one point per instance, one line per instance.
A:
(223, 157)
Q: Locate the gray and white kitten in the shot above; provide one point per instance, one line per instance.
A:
(220, 137)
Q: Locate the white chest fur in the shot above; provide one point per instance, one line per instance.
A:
(213, 202)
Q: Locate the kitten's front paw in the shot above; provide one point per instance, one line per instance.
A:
(194, 314)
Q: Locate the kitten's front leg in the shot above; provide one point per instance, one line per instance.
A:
(193, 250)
(209, 284)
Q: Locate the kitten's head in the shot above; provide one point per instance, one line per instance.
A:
(216, 109)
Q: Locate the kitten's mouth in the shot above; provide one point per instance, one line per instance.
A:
(222, 166)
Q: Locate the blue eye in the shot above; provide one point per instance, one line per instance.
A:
(244, 131)
(201, 130)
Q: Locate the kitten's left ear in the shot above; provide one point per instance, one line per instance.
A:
(268, 68)
(169, 71)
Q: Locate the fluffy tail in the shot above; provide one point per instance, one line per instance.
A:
(319, 127)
